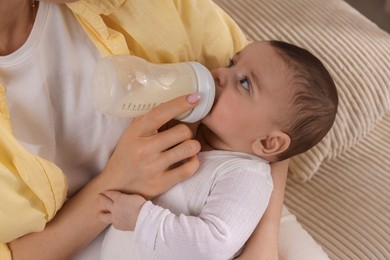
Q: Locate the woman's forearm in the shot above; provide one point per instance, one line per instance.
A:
(263, 241)
(74, 226)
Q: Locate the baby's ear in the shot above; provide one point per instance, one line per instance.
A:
(271, 146)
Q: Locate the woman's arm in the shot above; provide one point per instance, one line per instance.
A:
(140, 164)
(264, 240)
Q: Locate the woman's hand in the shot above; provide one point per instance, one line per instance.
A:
(143, 160)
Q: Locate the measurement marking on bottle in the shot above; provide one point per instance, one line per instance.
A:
(138, 107)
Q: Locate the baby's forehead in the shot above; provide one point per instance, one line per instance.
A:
(264, 50)
(256, 45)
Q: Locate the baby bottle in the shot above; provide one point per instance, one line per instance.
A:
(129, 86)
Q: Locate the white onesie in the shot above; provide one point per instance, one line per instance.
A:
(209, 216)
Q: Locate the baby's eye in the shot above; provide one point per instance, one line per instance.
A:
(245, 83)
(231, 64)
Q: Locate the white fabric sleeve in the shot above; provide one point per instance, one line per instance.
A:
(231, 213)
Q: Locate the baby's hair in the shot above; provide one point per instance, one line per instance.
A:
(314, 99)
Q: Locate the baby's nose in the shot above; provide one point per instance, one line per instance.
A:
(220, 77)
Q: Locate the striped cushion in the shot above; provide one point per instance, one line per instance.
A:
(345, 206)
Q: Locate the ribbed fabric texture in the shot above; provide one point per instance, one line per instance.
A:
(345, 206)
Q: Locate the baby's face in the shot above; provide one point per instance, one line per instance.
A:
(251, 95)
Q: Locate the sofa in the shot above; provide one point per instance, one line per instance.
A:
(340, 189)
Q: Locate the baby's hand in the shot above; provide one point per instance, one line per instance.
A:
(120, 209)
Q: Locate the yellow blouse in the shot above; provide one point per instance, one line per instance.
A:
(32, 189)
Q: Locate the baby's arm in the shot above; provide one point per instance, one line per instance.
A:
(226, 221)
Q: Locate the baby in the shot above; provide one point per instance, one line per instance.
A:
(273, 101)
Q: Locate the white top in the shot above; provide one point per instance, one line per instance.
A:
(209, 216)
(51, 108)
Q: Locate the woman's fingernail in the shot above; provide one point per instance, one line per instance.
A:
(193, 98)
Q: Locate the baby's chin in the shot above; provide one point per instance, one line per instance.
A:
(204, 119)
(207, 118)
